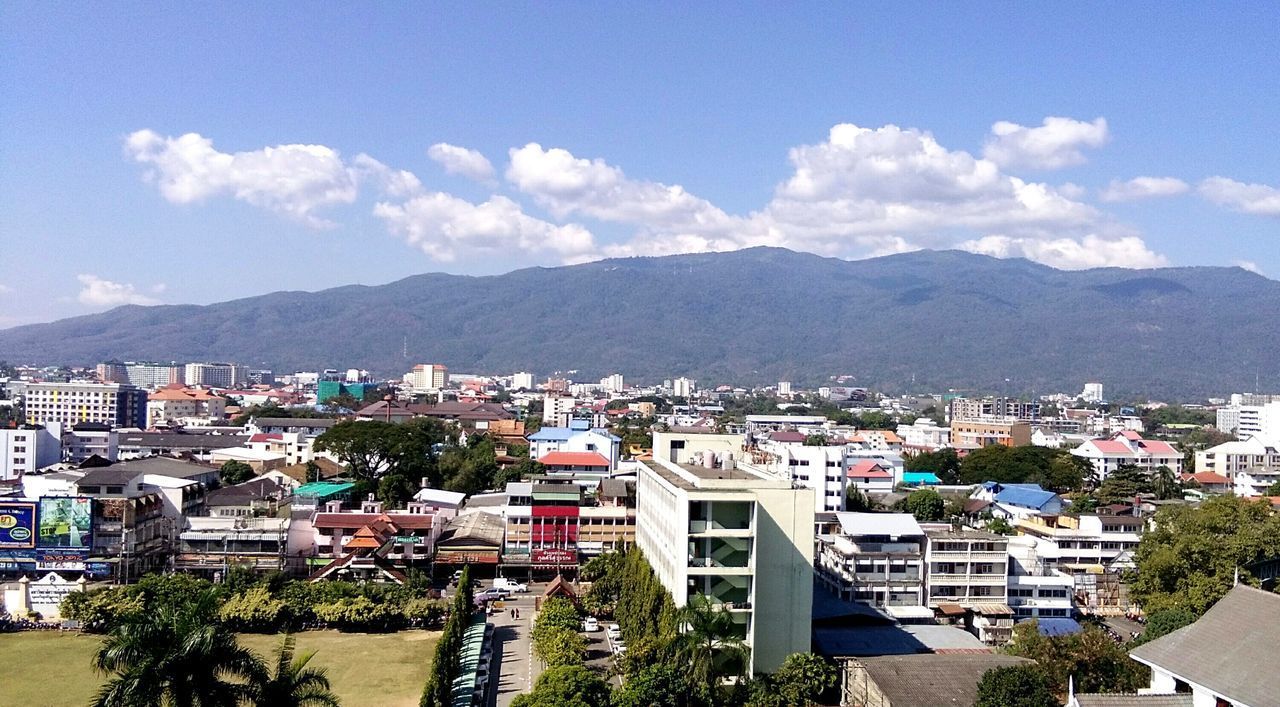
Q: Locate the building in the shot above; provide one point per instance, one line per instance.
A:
(215, 375)
(1036, 589)
(89, 439)
(1252, 465)
(975, 434)
(178, 405)
(924, 435)
(683, 387)
(993, 408)
(522, 381)
(966, 567)
(326, 390)
(201, 447)
(213, 545)
(1017, 500)
(683, 446)
(557, 410)
(1092, 393)
(1128, 448)
(372, 544)
(875, 558)
(784, 389)
(578, 436)
(28, 448)
(741, 539)
(1085, 543)
(613, 383)
(427, 377)
(257, 497)
(1222, 658)
(1249, 415)
(870, 476)
(821, 468)
(552, 523)
(116, 404)
(923, 680)
(153, 375)
(306, 426)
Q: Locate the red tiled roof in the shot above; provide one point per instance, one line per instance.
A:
(868, 469)
(786, 436)
(1131, 435)
(408, 521)
(1111, 446)
(1207, 477)
(267, 437)
(1157, 448)
(573, 459)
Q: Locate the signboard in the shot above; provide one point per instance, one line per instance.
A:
(554, 556)
(99, 570)
(66, 522)
(17, 525)
(61, 559)
(46, 594)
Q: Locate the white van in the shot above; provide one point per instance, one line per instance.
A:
(509, 585)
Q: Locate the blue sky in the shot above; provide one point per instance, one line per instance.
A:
(171, 155)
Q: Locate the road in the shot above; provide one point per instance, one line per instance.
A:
(517, 668)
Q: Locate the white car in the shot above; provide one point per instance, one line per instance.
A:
(613, 632)
(590, 624)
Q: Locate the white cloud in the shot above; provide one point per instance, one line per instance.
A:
(1256, 199)
(97, 292)
(1143, 188)
(294, 180)
(1056, 143)
(442, 226)
(1070, 254)
(393, 182)
(460, 160)
(1248, 265)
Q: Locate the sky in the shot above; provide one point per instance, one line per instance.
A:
(195, 153)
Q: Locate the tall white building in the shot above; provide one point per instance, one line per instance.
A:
(743, 540)
(557, 409)
(683, 387)
(215, 375)
(1092, 393)
(612, 383)
(153, 375)
(821, 468)
(429, 376)
(117, 404)
(784, 388)
(1128, 448)
(925, 434)
(522, 380)
(1251, 465)
(1251, 416)
(27, 449)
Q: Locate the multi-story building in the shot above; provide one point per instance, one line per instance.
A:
(1092, 393)
(966, 567)
(875, 558)
(153, 375)
(1249, 415)
(522, 381)
(742, 539)
(1086, 543)
(28, 448)
(428, 376)
(117, 404)
(924, 435)
(1036, 589)
(179, 405)
(683, 446)
(821, 468)
(683, 387)
(552, 523)
(613, 383)
(578, 436)
(1128, 447)
(784, 389)
(111, 372)
(211, 545)
(978, 433)
(373, 543)
(989, 408)
(88, 439)
(557, 409)
(1251, 465)
(215, 375)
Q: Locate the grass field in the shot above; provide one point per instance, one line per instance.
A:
(52, 669)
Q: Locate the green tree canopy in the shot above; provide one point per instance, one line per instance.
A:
(566, 686)
(1015, 686)
(1093, 658)
(1055, 469)
(944, 463)
(1189, 557)
(235, 472)
(924, 504)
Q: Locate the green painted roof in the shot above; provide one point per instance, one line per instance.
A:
(323, 488)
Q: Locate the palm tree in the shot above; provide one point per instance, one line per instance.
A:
(1166, 484)
(175, 656)
(708, 641)
(294, 684)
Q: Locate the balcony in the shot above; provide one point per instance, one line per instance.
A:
(888, 548)
(983, 580)
(969, 556)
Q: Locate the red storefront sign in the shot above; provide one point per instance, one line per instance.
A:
(554, 556)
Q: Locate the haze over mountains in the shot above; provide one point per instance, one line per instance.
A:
(944, 319)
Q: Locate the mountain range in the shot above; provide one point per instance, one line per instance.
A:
(927, 320)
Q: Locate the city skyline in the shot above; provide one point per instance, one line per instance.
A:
(197, 156)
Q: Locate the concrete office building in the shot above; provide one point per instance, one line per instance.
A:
(428, 376)
(27, 449)
(522, 381)
(742, 539)
(117, 404)
(215, 375)
(967, 567)
(875, 558)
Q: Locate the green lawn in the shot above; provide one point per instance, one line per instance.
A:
(48, 668)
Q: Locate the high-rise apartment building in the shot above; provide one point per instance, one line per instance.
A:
(683, 387)
(153, 375)
(612, 383)
(118, 404)
(743, 540)
(522, 381)
(215, 375)
(27, 449)
(429, 376)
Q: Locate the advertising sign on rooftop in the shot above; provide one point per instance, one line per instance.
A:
(17, 524)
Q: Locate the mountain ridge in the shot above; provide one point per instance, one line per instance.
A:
(941, 318)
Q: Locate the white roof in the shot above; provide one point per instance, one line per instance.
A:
(440, 496)
(891, 524)
(245, 454)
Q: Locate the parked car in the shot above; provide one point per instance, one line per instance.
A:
(492, 594)
(510, 585)
(590, 624)
(614, 633)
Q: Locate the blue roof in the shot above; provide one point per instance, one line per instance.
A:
(552, 434)
(579, 425)
(1059, 626)
(1025, 496)
(920, 477)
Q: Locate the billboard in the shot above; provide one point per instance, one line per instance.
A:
(17, 525)
(554, 556)
(66, 522)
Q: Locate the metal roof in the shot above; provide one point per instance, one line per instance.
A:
(891, 524)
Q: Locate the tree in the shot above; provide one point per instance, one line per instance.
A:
(1190, 557)
(253, 610)
(1165, 484)
(1091, 657)
(293, 684)
(1274, 489)
(876, 420)
(655, 685)
(803, 678)
(944, 464)
(857, 501)
(1015, 686)
(364, 447)
(1124, 484)
(1000, 526)
(438, 692)
(708, 643)
(179, 656)
(557, 646)
(1161, 623)
(234, 472)
(924, 504)
(519, 471)
(1026, 464)
(566, 686)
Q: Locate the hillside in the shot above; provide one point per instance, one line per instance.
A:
(946, 319)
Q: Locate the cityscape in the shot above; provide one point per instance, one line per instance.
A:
(479, 355)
